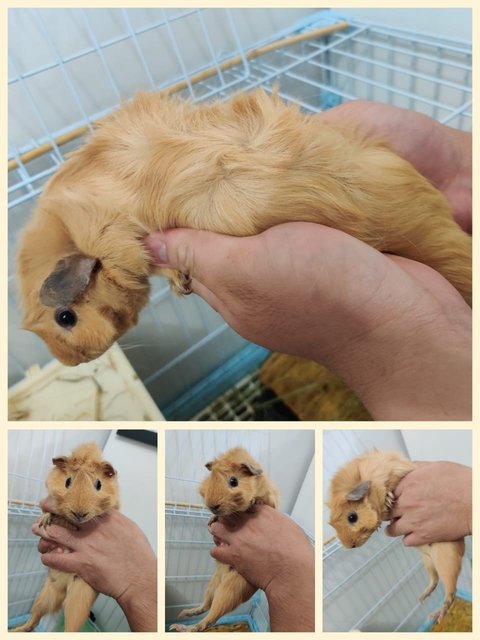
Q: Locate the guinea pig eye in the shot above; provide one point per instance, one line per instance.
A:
(233, 482)
(352, 517)
(98, 485)
(65, 318)
(68, 482)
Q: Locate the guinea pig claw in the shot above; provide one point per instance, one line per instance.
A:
(181, 283)
(185, 284)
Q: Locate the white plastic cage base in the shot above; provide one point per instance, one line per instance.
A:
(179, 342)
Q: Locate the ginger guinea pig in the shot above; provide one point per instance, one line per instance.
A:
(360, 498)
(82, 487)
(236, 483)
(236, 167)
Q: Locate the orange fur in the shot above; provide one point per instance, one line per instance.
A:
(227, 588)
(77, 503)
(237, 167)
(364, 487)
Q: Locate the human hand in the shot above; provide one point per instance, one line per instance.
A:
(396, 331)
(274, 554)
(440, 153)
(433, 504)
(112, 554)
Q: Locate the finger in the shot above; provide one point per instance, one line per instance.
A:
(219, 531)
(55, 534)
(47, 505)
(397, 527)
(432, 282)
(62, 561)
(412, 540)
(45, 546)
(222, 553)
(204, 255)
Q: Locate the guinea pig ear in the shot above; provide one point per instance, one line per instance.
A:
(60, 463)
(359, 492)
(69, 280)
(254, 471)
(108, 470)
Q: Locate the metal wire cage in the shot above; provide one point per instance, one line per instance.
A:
(376, 587)
(188, 565)
(86, 61)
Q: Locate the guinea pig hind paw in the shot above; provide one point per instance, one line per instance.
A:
(440, 613)
(181, 628)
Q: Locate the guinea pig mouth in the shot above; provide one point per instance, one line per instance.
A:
(78, 517)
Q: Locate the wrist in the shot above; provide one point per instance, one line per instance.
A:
(403, 367)
(291, 597)
(139, 603)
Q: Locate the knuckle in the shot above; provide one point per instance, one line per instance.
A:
(184, 256)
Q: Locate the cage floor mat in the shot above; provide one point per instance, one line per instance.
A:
(458, 618)
(233, 626)
(228, 627)
(310, 390)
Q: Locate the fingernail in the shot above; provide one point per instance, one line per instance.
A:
(158, 250)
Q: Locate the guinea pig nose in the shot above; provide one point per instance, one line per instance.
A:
(79, 516)
(215, 508)
(353, 546)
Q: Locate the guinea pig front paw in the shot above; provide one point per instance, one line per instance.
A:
(211, 520)
(389, 500)
(180, 283)
(46, 520)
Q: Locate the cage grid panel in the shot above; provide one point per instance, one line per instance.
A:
(180, 342)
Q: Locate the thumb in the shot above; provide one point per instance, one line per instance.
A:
(61, 561)
(221, 553)
(201, 254)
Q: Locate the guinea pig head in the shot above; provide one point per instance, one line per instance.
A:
(353, 515)
(82, 486)
(78, 304)
(233, 483)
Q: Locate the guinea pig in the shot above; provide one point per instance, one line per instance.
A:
(236, 167)
(361, 495)
(82, 488)
(236, 483)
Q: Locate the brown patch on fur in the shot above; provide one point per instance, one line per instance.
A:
(119, 319)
